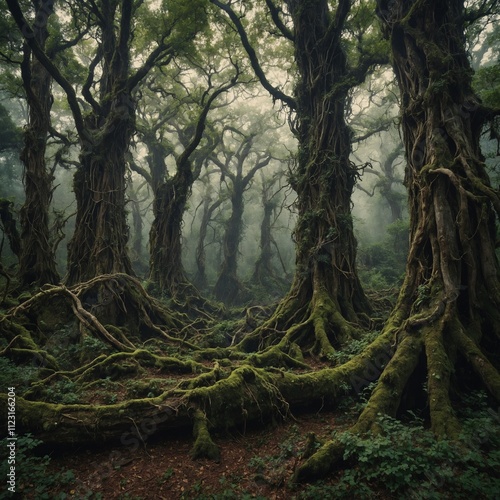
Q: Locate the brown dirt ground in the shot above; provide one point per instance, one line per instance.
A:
(257, 463)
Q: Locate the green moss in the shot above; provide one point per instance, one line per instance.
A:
(203, 446)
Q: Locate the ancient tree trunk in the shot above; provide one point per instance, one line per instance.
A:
(324, 176)
(326, 303)
(171, 196)
(209, 207)
(228, 286)
(166, 267)
(446, 324)
(263, 268)
(99, 243)
(37, 261)
(326, 297)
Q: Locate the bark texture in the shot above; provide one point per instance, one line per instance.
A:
(446, 319)
(326, 299)
(99, 243)
(37, 264)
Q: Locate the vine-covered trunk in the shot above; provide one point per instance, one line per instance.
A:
(99, 243)
(446, 324)
(37, 262)
(324, 177)
(228, 286)
(326, 297)
(165, 239)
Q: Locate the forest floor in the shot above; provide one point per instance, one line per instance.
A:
(256, 463)
(75, 372)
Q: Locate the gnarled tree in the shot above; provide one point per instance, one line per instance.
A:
(326, 299)
(36, 260)
(171, 196)
(99, 243)
(447, 315)
(228, 285)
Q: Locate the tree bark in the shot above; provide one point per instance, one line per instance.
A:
(99, 243)
(446, 319)
(166, 268)
(209, 207)
(324, 177)
(326, 298)
(228, 285)
(37, 263)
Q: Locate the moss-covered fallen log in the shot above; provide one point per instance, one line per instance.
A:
(232, 398)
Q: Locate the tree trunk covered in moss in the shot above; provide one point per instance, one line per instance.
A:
(99, 242)
(326, 303)
(37, 262)
(326, 298)
(324, 177)
(447, 317)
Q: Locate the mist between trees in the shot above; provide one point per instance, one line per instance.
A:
(300, 185)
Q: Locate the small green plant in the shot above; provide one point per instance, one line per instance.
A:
(63, 391)
(353, 348)
(32, 478)
(91, 347)
(17, 376)
(403, 459)
(166, 475)
(423, 295)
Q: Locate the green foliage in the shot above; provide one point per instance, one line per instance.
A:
(407, 461)
(423, 295)
(17, 376)
(221, 335)
(91, 347)
(63, 391)
(181, 20)
(32, 477)
(486, 80)
(354, 347)
(382, 265)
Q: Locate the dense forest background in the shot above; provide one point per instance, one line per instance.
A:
(219, 214)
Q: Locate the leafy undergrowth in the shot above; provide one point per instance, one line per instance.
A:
(402, 461)
(65, 363)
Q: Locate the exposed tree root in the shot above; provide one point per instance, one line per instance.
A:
(435, 338)
(317, 326)
(203, 446)
(216, 400)
(117, 300)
